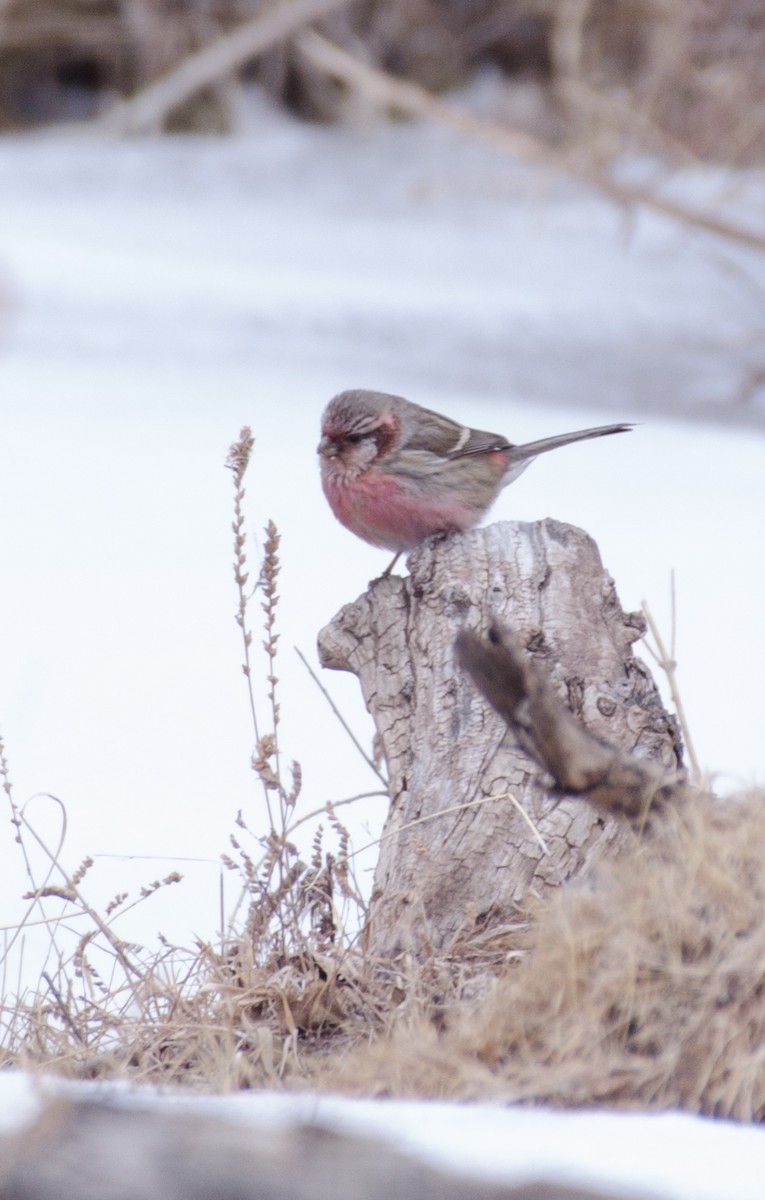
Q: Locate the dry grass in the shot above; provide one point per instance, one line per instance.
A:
(643, 985)
(209, 1016)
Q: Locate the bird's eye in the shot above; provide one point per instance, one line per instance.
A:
(354, 438)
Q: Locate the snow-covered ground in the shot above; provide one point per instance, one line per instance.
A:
(660, 1156)
(158, 295)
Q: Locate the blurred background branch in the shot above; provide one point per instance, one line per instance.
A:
(681, 79)
(415, 101)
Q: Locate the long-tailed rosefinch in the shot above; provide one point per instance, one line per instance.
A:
(395, 473)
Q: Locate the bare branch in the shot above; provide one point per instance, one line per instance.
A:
(579, 762)
(415, 101)
(145, 112)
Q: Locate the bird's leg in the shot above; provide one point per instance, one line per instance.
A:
(391, 565)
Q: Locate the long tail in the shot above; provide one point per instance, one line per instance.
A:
(521, 456)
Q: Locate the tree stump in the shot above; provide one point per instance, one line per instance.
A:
(473, 823)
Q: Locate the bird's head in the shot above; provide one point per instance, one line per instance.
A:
(357, 429)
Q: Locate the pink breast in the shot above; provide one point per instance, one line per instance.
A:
(385, 513)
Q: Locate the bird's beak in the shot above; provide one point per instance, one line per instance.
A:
(327, 448)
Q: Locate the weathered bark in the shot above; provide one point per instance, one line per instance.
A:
(579, 762)
(473, 824)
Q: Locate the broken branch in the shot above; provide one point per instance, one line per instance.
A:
(579, 762)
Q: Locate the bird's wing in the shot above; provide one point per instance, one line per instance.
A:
(444, 438)
(476, 441)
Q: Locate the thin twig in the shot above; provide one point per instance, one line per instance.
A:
(369, 761)
(522, 811)
(317, 812)
(63, 1010)
(445, 812)
(19, 820)
(669, 667)
(114, 942)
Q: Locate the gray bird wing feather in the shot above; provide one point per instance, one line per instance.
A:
(531, 449)
(479, 442)
(448, 439)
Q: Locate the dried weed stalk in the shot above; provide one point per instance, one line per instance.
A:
(210, 1017)
(667, 661)
(292, 910)
(95, 989)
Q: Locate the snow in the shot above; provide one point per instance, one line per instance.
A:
(661, 1156)
(157, 295)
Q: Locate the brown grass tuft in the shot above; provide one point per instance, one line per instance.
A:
(643, 986)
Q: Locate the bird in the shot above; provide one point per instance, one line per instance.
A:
(395, 473)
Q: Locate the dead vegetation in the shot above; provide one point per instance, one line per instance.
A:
(684, 80)
(639, 985)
